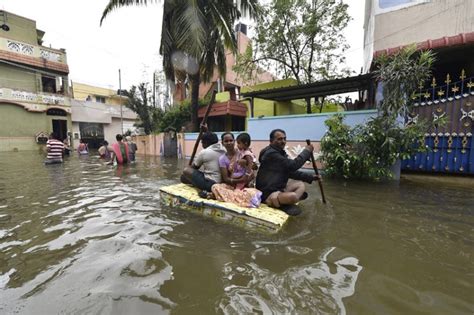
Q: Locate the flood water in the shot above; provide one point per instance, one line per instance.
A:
(85, 238)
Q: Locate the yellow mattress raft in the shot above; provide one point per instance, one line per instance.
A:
(263, 218)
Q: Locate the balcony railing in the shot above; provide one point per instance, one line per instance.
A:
(30, 97)
(36, 51)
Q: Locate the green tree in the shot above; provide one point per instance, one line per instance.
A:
(138, 101)
(301, 39)
(178, 116)
(194, 37)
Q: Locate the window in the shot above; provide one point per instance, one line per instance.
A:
(100, 99)
(56, 112)
(51, 84)
(383, 6)
(48, 84)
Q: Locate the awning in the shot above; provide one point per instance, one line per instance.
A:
(322, 88)
(230, 107)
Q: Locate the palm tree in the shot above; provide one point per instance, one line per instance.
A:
(199, 29)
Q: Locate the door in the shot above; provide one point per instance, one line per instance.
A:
(60, 128)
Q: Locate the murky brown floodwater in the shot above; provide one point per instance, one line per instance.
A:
(84, 238)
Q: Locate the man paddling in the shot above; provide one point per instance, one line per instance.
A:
(278, 177)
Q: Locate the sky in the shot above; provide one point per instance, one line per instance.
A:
(128, 39)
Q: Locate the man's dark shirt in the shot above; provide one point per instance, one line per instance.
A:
(276, 168)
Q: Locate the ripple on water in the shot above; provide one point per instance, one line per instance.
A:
(91, 239)
(399, 297)
(314, 288)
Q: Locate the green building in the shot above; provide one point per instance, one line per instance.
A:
(34, 91)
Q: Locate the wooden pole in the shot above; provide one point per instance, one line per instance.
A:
(317, 173)
(204, 121)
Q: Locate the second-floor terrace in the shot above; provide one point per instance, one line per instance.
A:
(29, 97)
(37, 56)
(33, 73)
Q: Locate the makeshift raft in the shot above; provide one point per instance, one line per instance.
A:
(263, 218)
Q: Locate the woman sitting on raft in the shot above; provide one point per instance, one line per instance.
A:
(235, 179)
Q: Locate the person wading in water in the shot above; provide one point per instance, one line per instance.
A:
(120, 150)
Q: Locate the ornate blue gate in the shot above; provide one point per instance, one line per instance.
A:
(450, 146)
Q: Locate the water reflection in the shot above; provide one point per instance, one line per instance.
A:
(316, 288)
(84, 237)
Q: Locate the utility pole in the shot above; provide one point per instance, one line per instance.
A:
(154, 89)
(120, 96)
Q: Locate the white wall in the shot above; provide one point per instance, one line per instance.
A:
(425, 20)
(111, 130)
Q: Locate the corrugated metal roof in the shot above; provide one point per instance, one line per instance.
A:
(321, 88)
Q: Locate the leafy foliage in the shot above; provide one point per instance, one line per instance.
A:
(199, 31)
(138, 101)
(401, 74)
(302, 39)
(175, 118)
(246, 69)
(370, 150)
(155, 119)
(178, 116)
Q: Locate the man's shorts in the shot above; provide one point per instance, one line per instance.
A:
(52, 161)
(272, 200)
(200, 181)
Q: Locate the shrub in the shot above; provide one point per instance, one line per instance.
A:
(368, 151)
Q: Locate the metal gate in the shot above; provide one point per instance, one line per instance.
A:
(450, 147)
(92, 134)
(170, 144)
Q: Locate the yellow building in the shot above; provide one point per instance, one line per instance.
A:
(98, 116)
(86, 92)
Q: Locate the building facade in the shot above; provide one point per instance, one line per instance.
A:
(446, 28)
(231, 83)
(91, 93)
(34, 91)
(390, 24)
(98, 116)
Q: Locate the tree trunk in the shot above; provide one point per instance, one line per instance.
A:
(195, 82)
